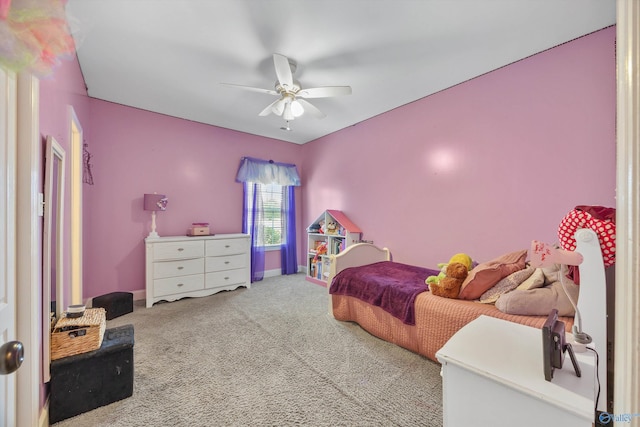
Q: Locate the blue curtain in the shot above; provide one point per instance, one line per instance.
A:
(267, 172)
(288, 252)
(252, 225)
(253, 173)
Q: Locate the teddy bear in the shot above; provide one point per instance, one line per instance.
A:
(434, 282)
(459, 257)
(332, 227)
(449, 285)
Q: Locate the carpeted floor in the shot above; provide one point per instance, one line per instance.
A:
(267, 356)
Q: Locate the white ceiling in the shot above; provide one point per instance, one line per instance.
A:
(170, 56)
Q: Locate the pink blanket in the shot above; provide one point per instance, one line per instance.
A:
(389, 285)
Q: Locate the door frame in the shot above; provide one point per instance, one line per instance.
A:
(8, 303)
(29, 252)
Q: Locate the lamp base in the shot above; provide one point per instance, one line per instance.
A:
(152, 233)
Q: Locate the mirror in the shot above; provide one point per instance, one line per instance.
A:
(52, 268)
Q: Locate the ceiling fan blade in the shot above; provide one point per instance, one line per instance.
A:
(283, 71)
(268, 109)
(311, 109)
(252, 89)
(278, 106)
(324, 92)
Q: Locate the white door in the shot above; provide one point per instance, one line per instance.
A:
(7, 247)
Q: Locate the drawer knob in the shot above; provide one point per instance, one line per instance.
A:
(180, 284)
(226, 262)
(227, 246)
(226, 278)
(180, 249)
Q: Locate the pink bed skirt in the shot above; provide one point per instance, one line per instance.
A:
(437, 319)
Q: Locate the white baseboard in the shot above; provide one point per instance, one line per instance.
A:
(141, 294)
(273, 273)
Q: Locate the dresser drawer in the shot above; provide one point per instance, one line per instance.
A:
(175, 285)
(177, 250)
(227, 247)
(224, 278)
(182, 267)
(229, 262)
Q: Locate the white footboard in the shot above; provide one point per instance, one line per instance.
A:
(355, 256)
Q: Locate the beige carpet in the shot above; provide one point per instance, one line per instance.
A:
(267, 356)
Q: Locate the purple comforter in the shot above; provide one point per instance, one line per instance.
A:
(389, 285)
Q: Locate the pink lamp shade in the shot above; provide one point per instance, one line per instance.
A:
(155, 202)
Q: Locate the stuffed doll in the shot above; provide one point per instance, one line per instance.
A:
(460, 258)
(449, 285)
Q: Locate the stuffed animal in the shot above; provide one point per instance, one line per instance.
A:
(434, 280)
(332, 227)
(321, 249)
(449, 285)
(461, 258)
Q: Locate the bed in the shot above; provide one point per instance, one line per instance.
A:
(435, 319)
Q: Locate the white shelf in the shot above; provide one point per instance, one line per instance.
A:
(347, 235)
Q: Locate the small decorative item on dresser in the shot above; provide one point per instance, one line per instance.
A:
(199, 229)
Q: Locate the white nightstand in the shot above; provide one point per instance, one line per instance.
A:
(493, 376)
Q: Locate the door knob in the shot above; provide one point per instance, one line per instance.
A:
(11, 357)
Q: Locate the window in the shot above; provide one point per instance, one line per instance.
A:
(271, 218)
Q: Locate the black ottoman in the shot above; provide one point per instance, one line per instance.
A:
(116, 303)
(89, 380)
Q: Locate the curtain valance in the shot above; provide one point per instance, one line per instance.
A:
(267, 172)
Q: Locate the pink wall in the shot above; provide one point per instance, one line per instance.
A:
(483, 167)
(136, 152)
(63, 88)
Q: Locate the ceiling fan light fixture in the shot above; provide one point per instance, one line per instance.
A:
(296, 108)
(292, 102)
(287, 114)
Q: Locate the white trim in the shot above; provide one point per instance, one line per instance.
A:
(273, 273)
(76, 145)
(627, 330)
(28, 251)
(8, 273)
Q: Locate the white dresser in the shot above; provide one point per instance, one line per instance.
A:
(182, 266)
(493, 377)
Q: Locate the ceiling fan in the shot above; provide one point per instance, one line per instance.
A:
(291, 102)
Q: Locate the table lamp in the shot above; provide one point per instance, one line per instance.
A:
(154, 203)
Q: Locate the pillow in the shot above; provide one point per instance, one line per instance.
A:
(539, 301)
(505, 285)
(536, 280)
(487, 274)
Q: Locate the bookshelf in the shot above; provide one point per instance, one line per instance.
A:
(331, 233)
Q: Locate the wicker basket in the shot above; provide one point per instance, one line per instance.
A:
(78, 335)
